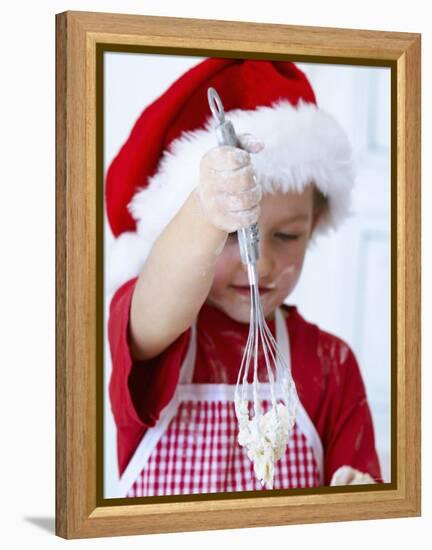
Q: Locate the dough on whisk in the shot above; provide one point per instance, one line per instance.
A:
(265, 437)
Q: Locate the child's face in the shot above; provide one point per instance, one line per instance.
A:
(285, 225)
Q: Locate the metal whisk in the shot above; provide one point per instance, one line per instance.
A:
(265, 436)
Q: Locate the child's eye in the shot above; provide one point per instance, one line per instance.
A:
(287, 236)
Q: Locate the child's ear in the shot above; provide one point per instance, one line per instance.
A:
(315, 218)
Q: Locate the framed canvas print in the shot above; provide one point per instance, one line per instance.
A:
(238, 274)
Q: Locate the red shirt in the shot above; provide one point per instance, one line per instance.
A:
(324, 368)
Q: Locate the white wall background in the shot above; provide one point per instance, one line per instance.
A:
(27, 275)
(345, 283)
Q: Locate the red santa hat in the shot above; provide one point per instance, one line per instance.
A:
(158, 166)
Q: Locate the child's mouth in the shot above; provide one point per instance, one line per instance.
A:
(245, 290)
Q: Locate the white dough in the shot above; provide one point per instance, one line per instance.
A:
(265, 437)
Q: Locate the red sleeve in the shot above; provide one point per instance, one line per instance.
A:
(350, 436)
(138, 390)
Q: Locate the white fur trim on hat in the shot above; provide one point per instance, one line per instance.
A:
(125, 259)
(302, 144)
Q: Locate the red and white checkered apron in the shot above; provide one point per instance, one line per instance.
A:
(193, 448)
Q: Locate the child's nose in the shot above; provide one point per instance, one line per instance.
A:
(265, 264)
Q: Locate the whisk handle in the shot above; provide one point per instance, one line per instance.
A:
(248, 237)
(226, 135)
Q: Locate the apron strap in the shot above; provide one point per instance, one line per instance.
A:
(283, 342)
(303, 420)
(188, 366)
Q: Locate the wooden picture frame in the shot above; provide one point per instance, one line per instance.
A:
(80, 41)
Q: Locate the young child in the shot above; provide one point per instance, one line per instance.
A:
(179, 320)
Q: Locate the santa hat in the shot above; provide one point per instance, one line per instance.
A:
(158, 166)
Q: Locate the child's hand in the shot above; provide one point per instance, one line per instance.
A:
(228, 190)
(346, 475)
